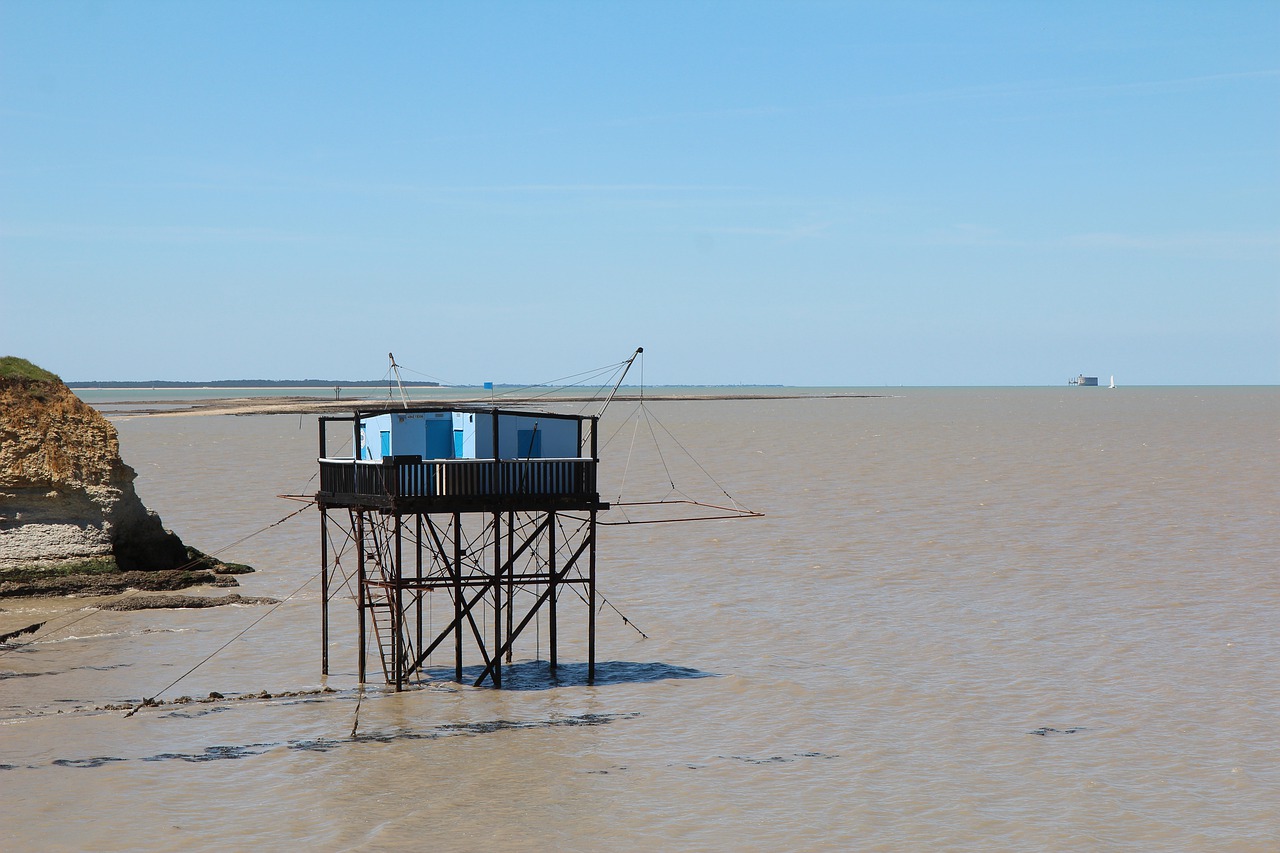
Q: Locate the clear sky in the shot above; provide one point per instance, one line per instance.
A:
(854, 193)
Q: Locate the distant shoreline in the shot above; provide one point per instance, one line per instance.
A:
(311, 405)
(232, 384)
(326, 384)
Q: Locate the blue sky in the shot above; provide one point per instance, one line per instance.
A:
(800, 193)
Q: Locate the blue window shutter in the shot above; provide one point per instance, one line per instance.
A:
(529, 443)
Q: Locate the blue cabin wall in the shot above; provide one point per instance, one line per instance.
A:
(556, 438)
(409, 434)
(430, 435)
(466, 435)
(425, 434)
(438, 436)
(371, 430)
(433, 435)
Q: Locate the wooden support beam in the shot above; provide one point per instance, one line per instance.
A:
(591, 602)
(417, 539)
(457, 592)
(397, 617)
(511, 638)
(497, 597)
(361, 592)
(324, 590)
(551, 587)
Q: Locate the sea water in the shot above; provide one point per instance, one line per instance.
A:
(971, 619)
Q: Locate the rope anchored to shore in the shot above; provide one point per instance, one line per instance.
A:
(89, 610)
(152, 700)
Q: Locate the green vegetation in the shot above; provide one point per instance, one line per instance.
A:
(37, 571)
(198, 560)
(12, 367)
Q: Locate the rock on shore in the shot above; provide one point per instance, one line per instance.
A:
(67, 502)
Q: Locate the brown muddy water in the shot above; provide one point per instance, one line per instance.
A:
(972, 619)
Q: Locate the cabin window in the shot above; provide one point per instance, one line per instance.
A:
(529, 442)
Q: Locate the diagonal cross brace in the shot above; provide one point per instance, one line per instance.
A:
(557, 578)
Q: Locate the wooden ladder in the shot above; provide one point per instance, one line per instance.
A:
(380, 603)
(381, 609)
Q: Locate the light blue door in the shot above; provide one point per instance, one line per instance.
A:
(459, 444)
(439, 444)
(386, 442)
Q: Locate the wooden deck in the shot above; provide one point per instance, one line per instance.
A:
(410, 484)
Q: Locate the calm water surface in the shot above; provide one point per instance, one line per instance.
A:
(1010, 619)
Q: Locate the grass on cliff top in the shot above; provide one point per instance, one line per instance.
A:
(12, 367)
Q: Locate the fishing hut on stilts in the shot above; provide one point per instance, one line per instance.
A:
(496, 508)
(468, 501)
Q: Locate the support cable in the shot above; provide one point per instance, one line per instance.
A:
(355, 723)
(605, 601)
(91, 609)
(630, 453)
(737, 510)
(621, 424)
(693, 459)
(347, 539)
(618, 384)
(427, 375)
(661, 458)
(557, 384)
(302, 493)
(151, 701)
(582, 598)
(85, 612)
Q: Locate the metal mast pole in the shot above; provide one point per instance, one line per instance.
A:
(404, 401)
(638, 351)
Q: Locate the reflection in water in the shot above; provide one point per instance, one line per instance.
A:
(537, 675)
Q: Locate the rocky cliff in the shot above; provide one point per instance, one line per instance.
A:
(67, 501)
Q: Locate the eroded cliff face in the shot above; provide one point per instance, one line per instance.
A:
(66, 497)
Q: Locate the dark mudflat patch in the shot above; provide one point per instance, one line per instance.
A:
(1045, 731)
(14, 585)
(167, 602)
(104, 668)
(103, 576)
(234, 752)
(778, 759)
(488, 727)
(96, 761)
(30, 629)
(214, 753)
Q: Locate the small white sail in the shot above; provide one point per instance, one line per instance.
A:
(1113, 381)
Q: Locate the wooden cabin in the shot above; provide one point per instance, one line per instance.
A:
(428, 498)
(460, 459)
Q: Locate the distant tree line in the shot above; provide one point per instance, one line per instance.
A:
(250, 383)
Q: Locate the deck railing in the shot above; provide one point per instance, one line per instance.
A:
(396, 477)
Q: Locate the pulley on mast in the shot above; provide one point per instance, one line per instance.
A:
(721, 512)
(616, 385)
(395, 368)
